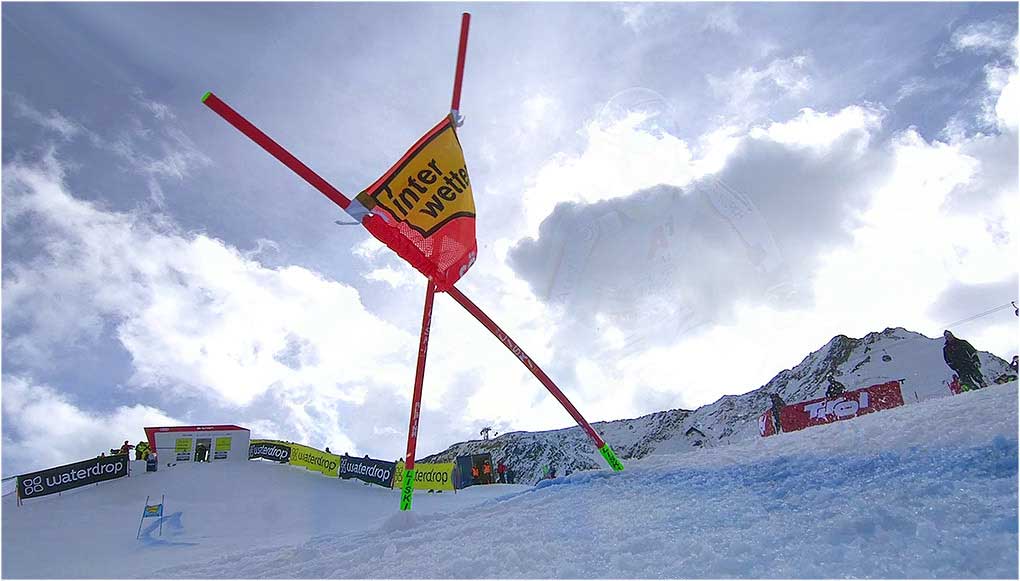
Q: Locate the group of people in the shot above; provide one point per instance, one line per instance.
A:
(484, 474)
(142, 450)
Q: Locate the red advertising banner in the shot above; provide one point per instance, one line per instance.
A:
(826, 410)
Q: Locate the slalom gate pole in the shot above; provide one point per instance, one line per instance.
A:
(407, 487)
(477, 313)
(141, 520)
(285, 157)
(275, 149)
(458, 78)
(162, 511)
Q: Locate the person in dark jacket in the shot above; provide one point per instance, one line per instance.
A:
(962, 358)
(777, 407)
(835, 388)
(501, 470)
(126, 448)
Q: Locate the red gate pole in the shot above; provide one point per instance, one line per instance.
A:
(458, 78)
(407, 487)
(477, 313)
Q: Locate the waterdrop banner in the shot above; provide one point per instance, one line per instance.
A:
(826, 410)
(428, 476)
(423, 207)
(314, 460)
(269, 450)
(70, 476)
(368, 470)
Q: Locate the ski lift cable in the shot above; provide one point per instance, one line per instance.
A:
(978, 316)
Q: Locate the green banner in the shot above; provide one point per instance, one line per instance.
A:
(428, 476)
(223, 444)
(182, 445)
(315, 460)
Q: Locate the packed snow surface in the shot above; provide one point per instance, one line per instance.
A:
(923, 491)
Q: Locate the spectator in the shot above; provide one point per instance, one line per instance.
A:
(963, 359)
(201, 453)
(1015, 363)
(126, 448)
(474, 474)
(777, 407)
(501, 470)
(327, 450)
(141, 450)
(487, 472)
(835, 388)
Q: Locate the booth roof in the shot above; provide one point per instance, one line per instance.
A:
(150, 433)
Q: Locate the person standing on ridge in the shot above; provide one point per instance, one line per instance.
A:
(777, 407)
(963, 359)
(835, 388)
(126, 448)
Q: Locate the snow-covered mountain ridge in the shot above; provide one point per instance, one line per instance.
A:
(895, 353)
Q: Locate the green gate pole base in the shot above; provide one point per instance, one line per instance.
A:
(611, 458)
(407, 490)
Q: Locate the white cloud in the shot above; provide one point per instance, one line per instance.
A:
(283, 350)
(914, 217)
(640, 17)
(51, 121)
(195, 315)
(1007, 106)
(160, 111)
(155, 147)
(818, 130)
(984, 37)
(617, 160)
(44, 428)
(722, 19)
(395, 277)
(750, 88)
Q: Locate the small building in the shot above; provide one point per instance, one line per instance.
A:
(214, 443)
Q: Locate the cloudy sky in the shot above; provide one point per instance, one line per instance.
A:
(675, 202)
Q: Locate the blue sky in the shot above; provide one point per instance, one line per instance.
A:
(675, 202)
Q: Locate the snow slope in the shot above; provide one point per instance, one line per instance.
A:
(926, 490)
(211, 510)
